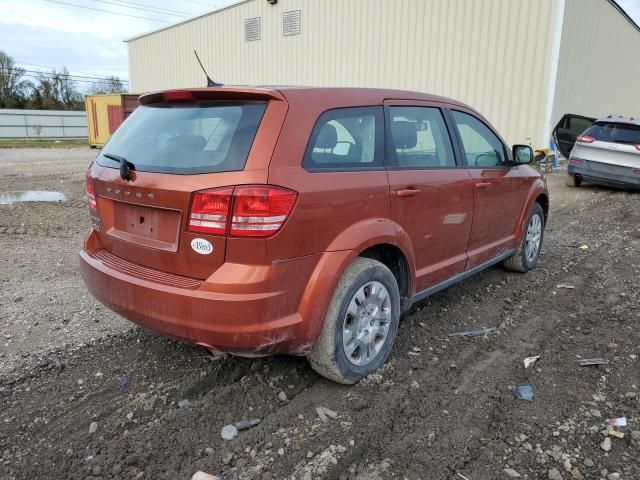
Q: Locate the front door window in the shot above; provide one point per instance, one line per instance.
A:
(482, 147)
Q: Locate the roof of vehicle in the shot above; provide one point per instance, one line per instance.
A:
(351, 95)
(619, 119)
(374, 95)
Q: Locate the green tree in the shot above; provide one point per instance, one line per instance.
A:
(14, 91)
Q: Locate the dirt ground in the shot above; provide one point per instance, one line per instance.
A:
(442, 408)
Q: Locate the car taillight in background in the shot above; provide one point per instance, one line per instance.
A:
(91, 193)
(638, 146)
(586, 139)
(242, 211)
(575, 161)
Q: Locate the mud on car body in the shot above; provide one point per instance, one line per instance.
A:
(302, 220)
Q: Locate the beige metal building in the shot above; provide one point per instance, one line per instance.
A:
(522, 63)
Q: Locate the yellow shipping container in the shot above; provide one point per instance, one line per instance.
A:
(105, 113)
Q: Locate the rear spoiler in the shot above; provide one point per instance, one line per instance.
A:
(218, 93)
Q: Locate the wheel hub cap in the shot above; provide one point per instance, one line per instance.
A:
(366, 323)
(533, 238)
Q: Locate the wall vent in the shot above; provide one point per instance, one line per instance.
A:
(252, 29)
(291, 23)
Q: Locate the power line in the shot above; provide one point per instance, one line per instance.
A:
(152, 7)
(202, 3)
(65, 74)
(142, 9)
(107, 11)
(94, 82)
(53, 68)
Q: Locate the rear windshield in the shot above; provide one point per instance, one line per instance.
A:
(204, 137)
(615, 132)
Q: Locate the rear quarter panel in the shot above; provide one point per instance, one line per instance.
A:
(330, 205)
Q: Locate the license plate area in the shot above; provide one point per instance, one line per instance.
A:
(147, 226)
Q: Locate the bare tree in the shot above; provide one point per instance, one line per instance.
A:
(56, 90)
(111, 84)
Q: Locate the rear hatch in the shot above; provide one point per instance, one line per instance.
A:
(567, 131)
(613, 146)
(177, 143)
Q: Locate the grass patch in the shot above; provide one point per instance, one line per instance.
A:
(34, 143)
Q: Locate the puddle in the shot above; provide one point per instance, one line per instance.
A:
(7, 198)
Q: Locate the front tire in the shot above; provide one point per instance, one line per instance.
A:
(360, 325)
(527, 254)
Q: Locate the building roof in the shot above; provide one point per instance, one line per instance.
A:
(614, 3)
(617, 6)
(182, 22)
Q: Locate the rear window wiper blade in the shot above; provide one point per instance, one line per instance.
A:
(125, 165)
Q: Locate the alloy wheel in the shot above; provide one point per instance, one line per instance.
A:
(366, 323)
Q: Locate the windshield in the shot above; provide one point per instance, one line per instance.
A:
(202, 137)
(615, 132)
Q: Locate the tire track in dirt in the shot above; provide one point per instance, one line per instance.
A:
(474, 361)
(388, 420)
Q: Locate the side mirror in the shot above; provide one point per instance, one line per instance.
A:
(522, 154)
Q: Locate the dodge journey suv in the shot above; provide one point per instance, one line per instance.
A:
(302, 220)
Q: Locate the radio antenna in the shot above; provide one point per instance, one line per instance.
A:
(210, 83)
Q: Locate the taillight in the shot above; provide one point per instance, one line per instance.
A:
(91, 193)
(636, 172)
(178, 96)
(210, 211)
(585, 139)
(638, 146)
(575, 161)
(260, 211)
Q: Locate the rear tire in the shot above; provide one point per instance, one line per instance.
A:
(573, 181)
(360, 325)
(527, 254)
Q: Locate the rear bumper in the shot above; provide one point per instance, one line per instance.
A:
(269, 316)
(626, 180)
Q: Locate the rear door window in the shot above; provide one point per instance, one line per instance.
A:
(204, 137)
(577, 125)
(346, 139)
(420, 138)
(615, 132)
(482, 147)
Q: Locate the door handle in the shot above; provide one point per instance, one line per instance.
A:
(483, 185)
(407, 192)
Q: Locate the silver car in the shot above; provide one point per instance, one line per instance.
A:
(606, 153)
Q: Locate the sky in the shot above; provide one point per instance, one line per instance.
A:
(87, 36)
(44, 34)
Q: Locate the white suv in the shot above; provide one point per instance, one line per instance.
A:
(606, 153)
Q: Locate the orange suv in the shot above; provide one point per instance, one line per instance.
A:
(302, 220)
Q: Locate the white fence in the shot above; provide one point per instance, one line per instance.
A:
(36, 124)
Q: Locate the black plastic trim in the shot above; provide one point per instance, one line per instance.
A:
(418, 297)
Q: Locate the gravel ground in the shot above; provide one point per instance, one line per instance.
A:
(84, 394)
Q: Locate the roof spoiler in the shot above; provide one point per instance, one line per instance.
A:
(220, 93)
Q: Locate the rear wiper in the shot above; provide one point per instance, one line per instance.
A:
(125, 166)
